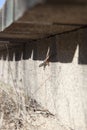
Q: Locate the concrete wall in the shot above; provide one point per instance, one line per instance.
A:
(62, 86)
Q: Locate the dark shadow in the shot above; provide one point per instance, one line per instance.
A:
(73, 2)
(62, 48)
(82, 47)
(60, 51)
(82, 53)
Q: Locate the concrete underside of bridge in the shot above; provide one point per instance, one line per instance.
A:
(61, 85)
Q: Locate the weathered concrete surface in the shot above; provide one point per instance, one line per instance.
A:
(14, 9)
(57, 14)
(31, 31)
(46, 20)
(62, 86)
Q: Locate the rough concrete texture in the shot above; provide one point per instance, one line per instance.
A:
(60, 87)
(65, 14)
(47, 20)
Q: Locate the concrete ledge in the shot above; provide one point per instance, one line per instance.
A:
(43, 21)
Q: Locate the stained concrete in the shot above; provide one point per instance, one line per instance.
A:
(47, 20)
(62, 86)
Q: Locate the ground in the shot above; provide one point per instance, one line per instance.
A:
(20, 113)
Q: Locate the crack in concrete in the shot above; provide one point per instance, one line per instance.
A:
(47, 36)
